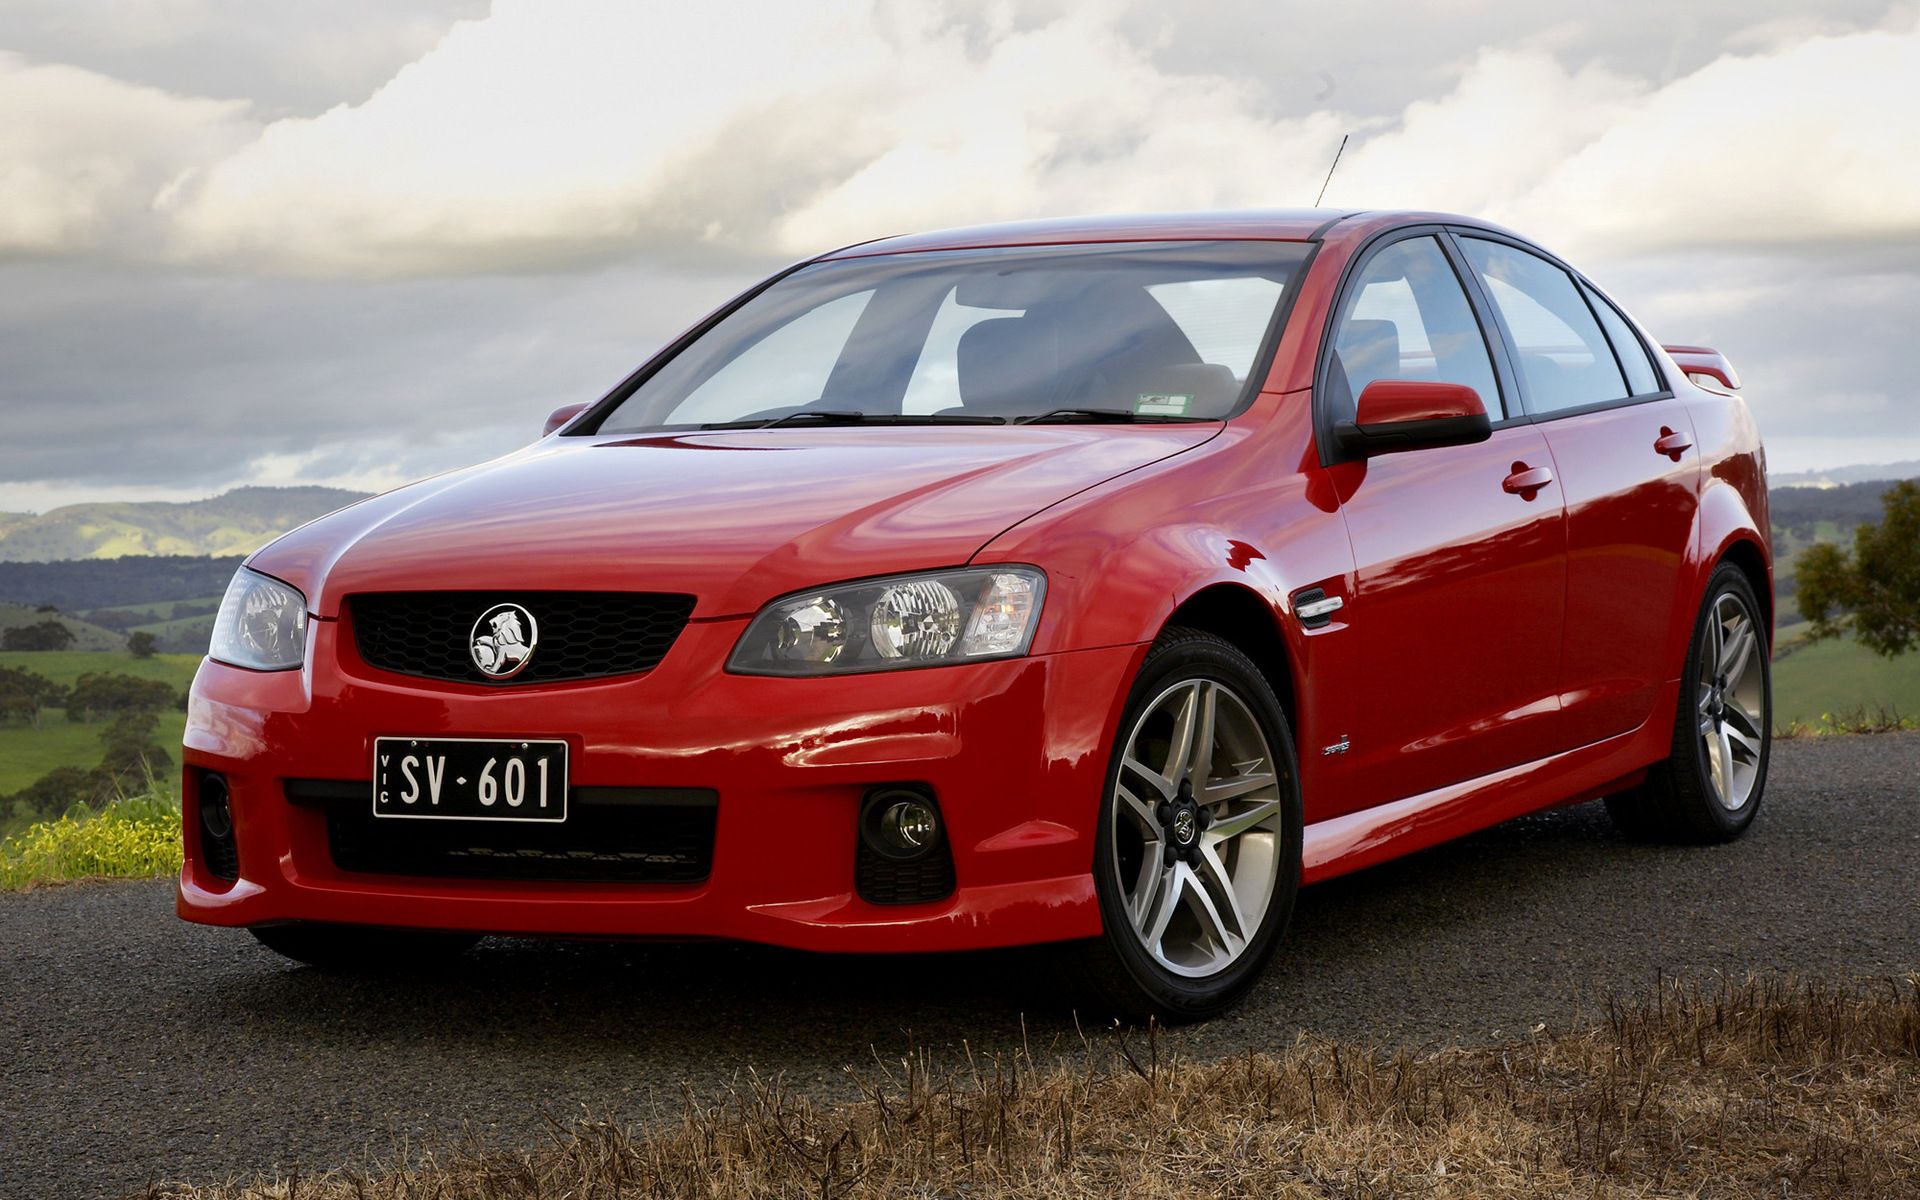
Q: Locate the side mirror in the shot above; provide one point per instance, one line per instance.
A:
(560, 416)
(1413, 414)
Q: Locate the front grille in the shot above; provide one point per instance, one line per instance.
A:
(581, 635)
(611, 835)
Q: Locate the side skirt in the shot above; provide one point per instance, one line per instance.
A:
(1362, 839)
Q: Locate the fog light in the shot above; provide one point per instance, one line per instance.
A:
(900, 824)
(908, 826)
(216, 811)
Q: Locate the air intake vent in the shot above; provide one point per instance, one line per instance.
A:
(611, 835)
(575, 635)
(218, 853)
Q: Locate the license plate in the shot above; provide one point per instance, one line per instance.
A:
(470, 779)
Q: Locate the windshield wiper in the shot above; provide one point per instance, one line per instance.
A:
(1109, 416)
(832, 416)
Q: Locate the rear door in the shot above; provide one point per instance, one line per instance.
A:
(1623, 453)
(1460, 573)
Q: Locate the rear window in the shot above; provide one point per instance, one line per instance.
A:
(1641, 376)
(1156, 331)
(1564, 358)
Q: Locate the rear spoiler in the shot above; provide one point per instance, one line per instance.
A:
(1698, 361)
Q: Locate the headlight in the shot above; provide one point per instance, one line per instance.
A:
(904, 621)
(262, 624)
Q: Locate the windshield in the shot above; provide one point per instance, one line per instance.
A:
(1164, 331)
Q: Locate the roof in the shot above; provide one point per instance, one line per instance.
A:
(1277, 224)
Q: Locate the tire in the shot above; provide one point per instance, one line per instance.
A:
(1726, 702)
(1205, 886)
(359, 949)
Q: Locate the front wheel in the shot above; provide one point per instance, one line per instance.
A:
(1709, 787)
(1197, 857)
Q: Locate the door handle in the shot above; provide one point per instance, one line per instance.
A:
(1672, 444)
(1525, 480)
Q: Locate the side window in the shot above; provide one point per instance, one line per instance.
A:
(1633, 356)
(1564, 357)
(1407, 317)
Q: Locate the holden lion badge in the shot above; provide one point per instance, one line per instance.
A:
(503, 640)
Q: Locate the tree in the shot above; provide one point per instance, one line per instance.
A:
(1874, 590)
(59, 790)
(141, 644)
(44, 635)
(131, 753)
(99, 692)
(23, 694)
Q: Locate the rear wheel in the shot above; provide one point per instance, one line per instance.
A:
(1709, 787)
(1197, 858)
(349, 948)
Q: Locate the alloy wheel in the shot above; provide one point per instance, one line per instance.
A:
(1197, 827)
(1731, 701)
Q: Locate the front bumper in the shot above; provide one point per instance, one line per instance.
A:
(1015, 752)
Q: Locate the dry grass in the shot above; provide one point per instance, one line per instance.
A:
(1862, 718)
(1763, 1089)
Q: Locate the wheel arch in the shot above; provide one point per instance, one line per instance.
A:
(1240, 615)
(1730, 532)
(1745, 553)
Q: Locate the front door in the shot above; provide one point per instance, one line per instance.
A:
(1459, 551)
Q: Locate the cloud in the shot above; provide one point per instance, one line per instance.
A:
(367, 271)
(83, 155)
(553, 134)
(123, 376)
(286, 56)
(1806, 143)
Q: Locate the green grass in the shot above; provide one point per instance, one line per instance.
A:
(27, 753)
(65, 666)
(136, 837)
(1842, 676)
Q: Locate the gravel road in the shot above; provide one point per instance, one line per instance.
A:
(138, 1047)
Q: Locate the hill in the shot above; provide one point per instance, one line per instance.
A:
(1858, 473)
(103, 583)
(236, 522)
(85, 636)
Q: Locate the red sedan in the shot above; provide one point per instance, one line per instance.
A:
(1091, 581)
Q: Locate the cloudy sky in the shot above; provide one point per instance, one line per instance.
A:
(357, 242)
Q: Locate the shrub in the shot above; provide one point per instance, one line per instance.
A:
(63, 788)
(134, 837)
(43, 635)
(131, 752)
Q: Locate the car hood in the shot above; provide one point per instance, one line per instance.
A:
(733, 518)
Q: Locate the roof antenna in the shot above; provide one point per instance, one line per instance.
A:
(1336, 162)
